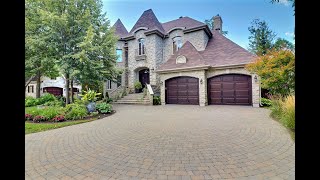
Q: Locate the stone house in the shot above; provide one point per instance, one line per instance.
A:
(185, 61)
(55, 86)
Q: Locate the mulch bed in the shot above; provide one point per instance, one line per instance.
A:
(90, 117)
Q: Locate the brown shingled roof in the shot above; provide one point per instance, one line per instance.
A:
(120, 30)
(148, 19)
(221, 51)
(186, 22)
(194, 59)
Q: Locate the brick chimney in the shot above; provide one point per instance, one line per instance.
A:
(217, 22)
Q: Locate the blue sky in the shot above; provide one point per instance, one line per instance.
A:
(236, 14)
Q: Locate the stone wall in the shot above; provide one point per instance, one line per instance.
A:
(198, 39)
(200, 74)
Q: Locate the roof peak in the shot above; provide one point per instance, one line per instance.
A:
(120, 29)
(149, 20)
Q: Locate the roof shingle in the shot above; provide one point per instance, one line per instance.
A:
(148, 19)
(186, 22)
(221, 51)
(120, 30)
(194, 58)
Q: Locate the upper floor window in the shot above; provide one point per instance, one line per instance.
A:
(118, 81)
(177, 43)
(141, 46)
(119, 55)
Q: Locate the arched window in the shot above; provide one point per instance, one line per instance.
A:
(141, 46)
(177, 43)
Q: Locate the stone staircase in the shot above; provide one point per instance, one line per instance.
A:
(136, 98)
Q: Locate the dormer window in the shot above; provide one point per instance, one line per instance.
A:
(177, 43)
(141, 46)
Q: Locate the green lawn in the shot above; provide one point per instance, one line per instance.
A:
(37, 127)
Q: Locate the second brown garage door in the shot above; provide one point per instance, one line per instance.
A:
(230, 89)
(182, 90)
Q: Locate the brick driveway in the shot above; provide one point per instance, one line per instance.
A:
(165, 142)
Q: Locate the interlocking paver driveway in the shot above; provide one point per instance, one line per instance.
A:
(165, 142)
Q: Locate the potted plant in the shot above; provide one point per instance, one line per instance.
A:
(137, 86)
(90, 96)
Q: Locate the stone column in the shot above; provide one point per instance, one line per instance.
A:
(255, 91)
(203, 100)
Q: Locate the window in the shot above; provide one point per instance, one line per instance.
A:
(30, 89)
(118, 81)
(119, 55)
(141, 46)
(109, 84)
(177, 43)
(53, 78)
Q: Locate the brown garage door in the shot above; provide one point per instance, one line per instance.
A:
(182, 90)
(230, 89)
(53, 90)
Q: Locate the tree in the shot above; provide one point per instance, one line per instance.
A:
(39, 59)
(293, 3)
(80, 35)
(210, 24)
(276, 70)
(283, 44)
(261, 37)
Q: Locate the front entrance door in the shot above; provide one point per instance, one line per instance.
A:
(144, 77)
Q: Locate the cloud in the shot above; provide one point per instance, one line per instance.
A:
(284, 2)
(290, 34)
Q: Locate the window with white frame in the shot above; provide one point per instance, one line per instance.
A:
(119, 55)
(177, 43)
(30, 89)
(109, 84)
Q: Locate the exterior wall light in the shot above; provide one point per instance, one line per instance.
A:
(161, 83)
(255, 78)
(201, 81)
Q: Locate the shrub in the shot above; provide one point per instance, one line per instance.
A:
(283, 109)
(288, 112)
(28, 117)
(51, 111)
(59, 118)
(266, 102)
(54, 103)
(89, 95)
(276, 107)
(30, 101)
(34, 111)
(104, 108)
(75, 111)
(46, 97)
(156, 100)
(137, 85)
(39, 118)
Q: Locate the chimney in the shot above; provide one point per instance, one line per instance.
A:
(217, 23)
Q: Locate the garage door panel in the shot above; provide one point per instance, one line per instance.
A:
(230, 89)
(227, 78)
(242, 93)
(243, 85)
(182, 90)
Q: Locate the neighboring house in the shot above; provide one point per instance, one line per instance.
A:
(55, 86)
(185, 61)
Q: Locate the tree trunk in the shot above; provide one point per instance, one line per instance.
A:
(67, 88)
(38, 85)
(71, 84)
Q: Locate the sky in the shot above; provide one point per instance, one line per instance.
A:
(236, 15)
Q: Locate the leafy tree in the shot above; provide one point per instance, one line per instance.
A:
(293, 3)
(81, 37)
(283, 44)
(276, 70)
(261, 37)
(39, 60)
(210, 24)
